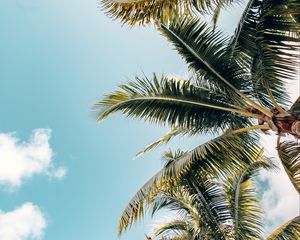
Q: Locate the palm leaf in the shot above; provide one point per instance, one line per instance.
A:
(197, 206)
(243, 39)
(201, 203)
(287, 231)
(266, 42)
(278, 39)
(177, 103)
(244, 205)
(144, 11)
(289, 154)
(162, 140)
(206, 53)
(203, 50)
(217, 156)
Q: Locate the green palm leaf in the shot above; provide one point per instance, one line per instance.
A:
(206, 53)
(162, 140)
(289, 154)
(244, 205)
(177, 103)
(287, 231)
(144, 11)
(217, 157)
(278, 39)
(243, 47)
(214, 208)
(243, 40)
(266, 41)
(203, 50)
(197, 206)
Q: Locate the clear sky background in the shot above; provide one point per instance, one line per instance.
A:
(63, 176)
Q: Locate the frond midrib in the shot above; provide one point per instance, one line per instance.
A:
(169, 99)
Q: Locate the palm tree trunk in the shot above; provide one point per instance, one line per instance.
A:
(287, 124)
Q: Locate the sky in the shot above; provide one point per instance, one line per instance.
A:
(62, 175)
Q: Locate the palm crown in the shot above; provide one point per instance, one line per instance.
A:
(237, 85)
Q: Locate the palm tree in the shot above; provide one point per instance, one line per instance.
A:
(237, 87)
(208, 206)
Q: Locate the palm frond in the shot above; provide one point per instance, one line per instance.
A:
(244, 204)
(202, 49)
(289, 154)
(162, 140)
(217, 156)
(213, 205)
(201, 202)
(178, 199)
(217, 11)
(206, 53)
(287, 231)
(243, 39)
(266, 41)
(175, 102)
(278, 40)
(145, 11)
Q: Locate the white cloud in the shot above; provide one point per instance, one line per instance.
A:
(20, 160)
(25, 222)
(57, 173)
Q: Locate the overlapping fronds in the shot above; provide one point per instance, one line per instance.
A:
(243, 46)
(213, 205)
(289, 154)
(278, 41)
(243, 40)
(287, 231)
(197, 204)
(204, 51)
(209, 207)
(217, 157)
(267, 38)
(142, 12)
(208, 54)
(177, 103)
(244, 206)
(199, 199)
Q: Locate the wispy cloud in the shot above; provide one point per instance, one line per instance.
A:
(25, 222)
(21, 160)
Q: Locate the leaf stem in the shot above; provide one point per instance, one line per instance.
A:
(247, 129)
(276, 105)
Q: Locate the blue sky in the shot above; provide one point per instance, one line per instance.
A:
(57, 58)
